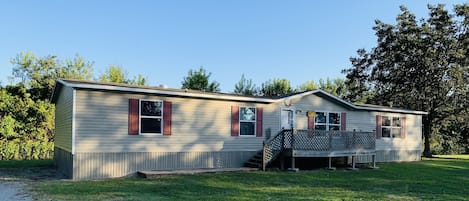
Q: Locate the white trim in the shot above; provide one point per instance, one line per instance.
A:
(328, 124)
(292, 109)
(230, 97)
(255, 121)
(140, 116)
(74, 104)
(391, 136)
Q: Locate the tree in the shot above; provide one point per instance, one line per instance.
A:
(199, 80)
(335, 87)
(116, 74)
(276, 87)
(38, 75)
(308, 86)
(419, 65)
(245, 87)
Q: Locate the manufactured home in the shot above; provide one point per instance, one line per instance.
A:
(106, 130)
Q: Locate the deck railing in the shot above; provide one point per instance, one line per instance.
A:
(315, 140)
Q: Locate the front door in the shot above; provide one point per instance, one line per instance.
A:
(287, 119)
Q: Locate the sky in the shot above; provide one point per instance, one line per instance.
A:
(162, 40)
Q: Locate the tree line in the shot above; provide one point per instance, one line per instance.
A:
(419, 64)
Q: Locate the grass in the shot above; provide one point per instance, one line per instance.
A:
(466, 157)
(25, 163)
(430, 179)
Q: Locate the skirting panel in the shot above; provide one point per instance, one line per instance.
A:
(108, 165)
(63, 161)
(392, 156)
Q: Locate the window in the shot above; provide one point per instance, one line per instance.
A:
(151, 117)
(391, 127)
(327, 121)
(247, 121)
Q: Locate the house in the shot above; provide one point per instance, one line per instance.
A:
(106, 130)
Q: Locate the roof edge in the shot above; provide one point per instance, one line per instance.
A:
(103, 86)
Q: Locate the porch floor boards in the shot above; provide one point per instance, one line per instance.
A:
(157, 173)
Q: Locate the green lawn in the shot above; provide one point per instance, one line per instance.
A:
(431, 179)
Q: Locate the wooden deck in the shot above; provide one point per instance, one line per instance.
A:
(313, 143)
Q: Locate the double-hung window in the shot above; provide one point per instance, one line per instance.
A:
(151, 116)
(391, 127)
(327, 121)
(247, 121)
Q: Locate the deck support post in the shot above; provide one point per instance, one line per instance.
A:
(353, 162)
(373, 160)
(330, 164)
(292, 162)
(282, 162)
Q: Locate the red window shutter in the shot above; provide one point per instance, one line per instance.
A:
(167, 117)
(343, 121)
(259, 121)
(404, 127)
(234, 120)
(379, 120)
(133, 116)
(311, 122)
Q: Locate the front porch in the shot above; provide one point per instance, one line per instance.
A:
(314, 143)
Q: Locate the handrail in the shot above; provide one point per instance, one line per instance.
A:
(273, 147)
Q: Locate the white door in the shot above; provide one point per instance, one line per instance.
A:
(286, 118)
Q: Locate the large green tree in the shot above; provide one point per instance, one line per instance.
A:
(276, 87)
(200, 80)
(335, 86)
(416, 64)
(38, 75)
(117, 74)
(246, 87)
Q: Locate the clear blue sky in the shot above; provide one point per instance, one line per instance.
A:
(296, 40)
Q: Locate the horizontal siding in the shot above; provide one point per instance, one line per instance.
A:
(311, 103)
(360, 121)
(108, 165)
(63, 119)
(197, 125)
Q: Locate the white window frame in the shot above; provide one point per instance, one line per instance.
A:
(327, 124)
(391, 127)
(255, 121)
(140, 116)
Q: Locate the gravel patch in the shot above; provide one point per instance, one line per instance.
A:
(16, 183)
(14, 190)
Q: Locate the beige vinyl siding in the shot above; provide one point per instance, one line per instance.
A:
(198, 125)
(413, 140)
(63, 119)
(360, 120)
(311, 103)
